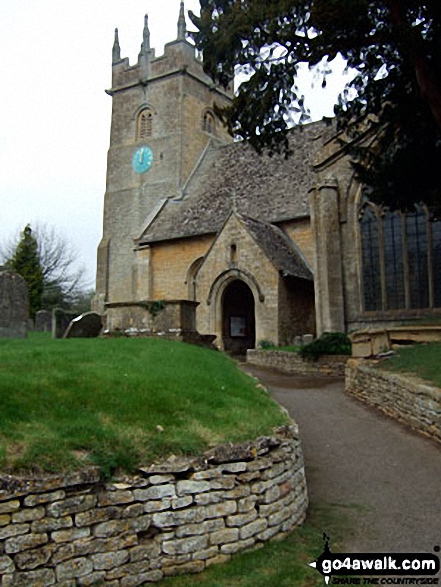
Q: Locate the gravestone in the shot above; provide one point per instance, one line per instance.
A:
(14, 305)
(43, 321)
(87, 325)
(60, 321)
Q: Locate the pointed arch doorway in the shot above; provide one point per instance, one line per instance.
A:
(238, 318)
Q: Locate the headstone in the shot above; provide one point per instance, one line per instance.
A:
(87, 325)
(60, 321)
(307, 338)
(43, 321)
(14, 305)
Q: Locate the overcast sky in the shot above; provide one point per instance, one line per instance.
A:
(55, 64)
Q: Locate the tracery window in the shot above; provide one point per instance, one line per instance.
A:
(145, 123)
(401, 259)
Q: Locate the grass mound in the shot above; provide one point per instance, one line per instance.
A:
(119, 403)
(422, 360)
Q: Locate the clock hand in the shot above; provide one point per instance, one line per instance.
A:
(141, 155)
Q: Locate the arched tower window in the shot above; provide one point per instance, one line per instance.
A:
(208, 122)
(145, 123)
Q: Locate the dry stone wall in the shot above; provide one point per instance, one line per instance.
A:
(176, 517)
(292, 363)
(402, 397)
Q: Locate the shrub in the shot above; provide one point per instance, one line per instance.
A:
(329, 343)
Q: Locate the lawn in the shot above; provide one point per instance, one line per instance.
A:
(422, 360)
(281, 563)
(294, 348)
(119, 403)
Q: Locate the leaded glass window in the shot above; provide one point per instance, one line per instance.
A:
(401, 259)
(416, 231)
(370, 247)
(436, 262)
(393, 260)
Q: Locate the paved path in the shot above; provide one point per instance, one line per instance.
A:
(386, 478)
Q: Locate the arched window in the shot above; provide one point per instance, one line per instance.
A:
(400, 259)
(145, 120)
(208, 122)
(191, 278)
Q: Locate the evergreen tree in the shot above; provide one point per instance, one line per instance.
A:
(62, 278)
(26, 262)
(394, 46)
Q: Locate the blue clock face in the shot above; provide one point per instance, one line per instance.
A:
(142, 159)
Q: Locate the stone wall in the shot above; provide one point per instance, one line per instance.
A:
(176, 517)
(402, 397)
(369, 342)
(150, 317)
(300, 232)
(296, 309)
(171, 262)
(292, 363)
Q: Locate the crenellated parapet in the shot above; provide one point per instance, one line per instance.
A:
(179, 56)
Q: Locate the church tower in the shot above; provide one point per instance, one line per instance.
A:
(162, 120)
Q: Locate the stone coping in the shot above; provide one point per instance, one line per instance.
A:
(369, 342)
(178, 516)
(404, 397)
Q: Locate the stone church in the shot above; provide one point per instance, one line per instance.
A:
(201, 233)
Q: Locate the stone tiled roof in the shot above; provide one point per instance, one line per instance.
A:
(235, 177)
(280, 249)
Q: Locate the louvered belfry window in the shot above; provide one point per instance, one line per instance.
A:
(145, 123)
